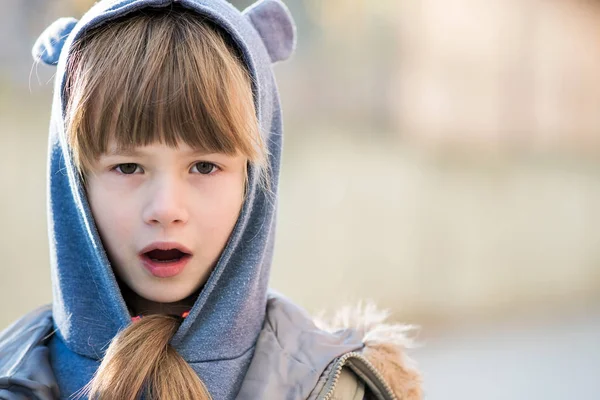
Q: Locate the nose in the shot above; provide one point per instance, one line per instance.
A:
(166, 203)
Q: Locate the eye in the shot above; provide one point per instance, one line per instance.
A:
(127, 169)
(204, 167)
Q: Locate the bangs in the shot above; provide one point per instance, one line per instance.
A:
(159, 77)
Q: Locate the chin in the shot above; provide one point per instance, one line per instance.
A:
(164, 294)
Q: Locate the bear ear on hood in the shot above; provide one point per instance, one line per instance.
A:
(48, 46)
(275, 25)
(270, 18)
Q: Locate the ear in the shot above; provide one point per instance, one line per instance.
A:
(276, 27)
(50, 43)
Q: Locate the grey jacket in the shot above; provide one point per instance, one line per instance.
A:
(372, 363)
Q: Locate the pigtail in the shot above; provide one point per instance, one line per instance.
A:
(140, 360)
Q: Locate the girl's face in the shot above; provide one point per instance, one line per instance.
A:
(165, 198)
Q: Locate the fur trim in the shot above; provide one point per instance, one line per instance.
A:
(385, 345)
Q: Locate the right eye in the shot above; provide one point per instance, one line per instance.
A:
(127, 169)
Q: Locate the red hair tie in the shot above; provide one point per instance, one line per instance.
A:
(138, 317)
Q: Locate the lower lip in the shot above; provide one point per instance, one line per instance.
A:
(165, 269)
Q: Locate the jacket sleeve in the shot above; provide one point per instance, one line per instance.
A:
(25, 371)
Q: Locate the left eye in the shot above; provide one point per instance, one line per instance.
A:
(204, 167)
(127, 169)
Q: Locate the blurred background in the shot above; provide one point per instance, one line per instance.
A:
(442, 159)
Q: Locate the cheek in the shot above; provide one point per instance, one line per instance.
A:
(113, 216)
(223, 208)
(233, 199)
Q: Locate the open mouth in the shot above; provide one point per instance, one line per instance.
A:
(165, 256)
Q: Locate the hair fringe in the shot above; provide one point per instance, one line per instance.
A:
(182, 81)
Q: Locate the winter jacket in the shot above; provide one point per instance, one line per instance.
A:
(377, 369)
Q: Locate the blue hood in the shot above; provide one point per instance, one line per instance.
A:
(219, 335)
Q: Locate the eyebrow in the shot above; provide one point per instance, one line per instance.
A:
(123, 152)
(134, 152)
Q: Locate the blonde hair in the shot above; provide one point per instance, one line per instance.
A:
(140, 359)
(168, 76)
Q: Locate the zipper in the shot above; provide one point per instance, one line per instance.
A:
(355, 358)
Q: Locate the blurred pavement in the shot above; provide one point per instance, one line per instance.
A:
(551, 360)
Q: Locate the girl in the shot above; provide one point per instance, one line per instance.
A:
(164, 157)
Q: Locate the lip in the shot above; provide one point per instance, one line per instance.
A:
(165, 269)
(165, 246)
